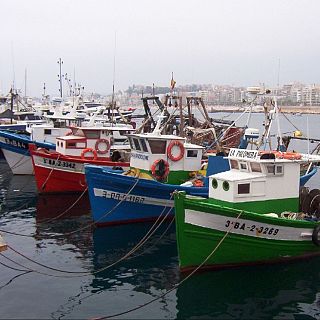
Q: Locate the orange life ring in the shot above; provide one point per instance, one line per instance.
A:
(88, 150)
(155, 169)
(106, 149)
(198, 183)
(283, 155)
(289, 155)
(169, 150)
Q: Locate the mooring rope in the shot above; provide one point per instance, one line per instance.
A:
(50, 173)
(85, 273)
(13, 278)
(65, 211)
(12, 268)
(156, 242)
(176, 285)
(77, 230)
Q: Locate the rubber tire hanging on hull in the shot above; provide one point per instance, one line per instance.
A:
(315, 233)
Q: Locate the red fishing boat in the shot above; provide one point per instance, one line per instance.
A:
(63, 170)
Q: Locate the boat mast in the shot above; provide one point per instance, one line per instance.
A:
(113, 80)
(60, 62)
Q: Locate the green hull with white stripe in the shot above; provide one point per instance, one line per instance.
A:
(252, 238)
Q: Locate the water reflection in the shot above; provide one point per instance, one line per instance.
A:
(262, 292)
(151, 270)
(153, 265)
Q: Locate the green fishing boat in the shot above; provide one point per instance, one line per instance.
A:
(253, 214)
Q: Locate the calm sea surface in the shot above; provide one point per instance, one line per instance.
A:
(97, 281)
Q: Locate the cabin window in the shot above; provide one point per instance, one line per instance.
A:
(131, 143)
(214, 183)
(71, 144)
(255, 167)
(136, 144)
(47, 131)
(275, 169)
(92, 134)
(158, 146)
(192, 153)
(81, 145)
(243, 166)
(270, 169)
(234, 164)
(243, 188)
(225, 186)
(144, 145)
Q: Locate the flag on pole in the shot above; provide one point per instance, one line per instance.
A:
(172, 83)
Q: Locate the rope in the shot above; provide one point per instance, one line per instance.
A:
(84, 273)
(15, 277)
(50, 173)
(77, 230)
(65, 211)
(176, 285)
(12, 268)
(156, 242)
(290, 121)
(20, 159)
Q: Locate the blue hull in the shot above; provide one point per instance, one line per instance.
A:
(19, 143)
(146, 199)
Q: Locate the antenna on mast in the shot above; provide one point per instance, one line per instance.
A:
(278, 82)
(114, 73)
(25, 83)
(60, 62)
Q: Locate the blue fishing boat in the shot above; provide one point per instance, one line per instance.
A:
(158, 165)
(15, 147)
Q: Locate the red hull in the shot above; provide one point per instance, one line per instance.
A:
(55, 173)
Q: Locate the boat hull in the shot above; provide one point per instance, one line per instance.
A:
(15, 148)
(56, 173)
(117, 198)
(211, 236)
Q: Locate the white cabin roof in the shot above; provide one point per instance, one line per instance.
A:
(237, 175)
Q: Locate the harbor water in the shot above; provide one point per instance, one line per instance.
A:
(59, 266)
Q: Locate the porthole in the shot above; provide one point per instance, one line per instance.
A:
(225, 185)
(214, 183)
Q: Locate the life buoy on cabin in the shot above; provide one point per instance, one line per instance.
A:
(289, 155)
(87, 151)
(102, 146)
(160, 169)
(169, 150)
(198, 183)
(283, 155)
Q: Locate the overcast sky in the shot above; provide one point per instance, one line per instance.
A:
(238, 42)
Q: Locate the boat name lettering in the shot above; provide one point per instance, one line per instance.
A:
(122, 196)
(59, 163)
(253, 228)
(16, 143)
(248, 154)
(140, 156)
